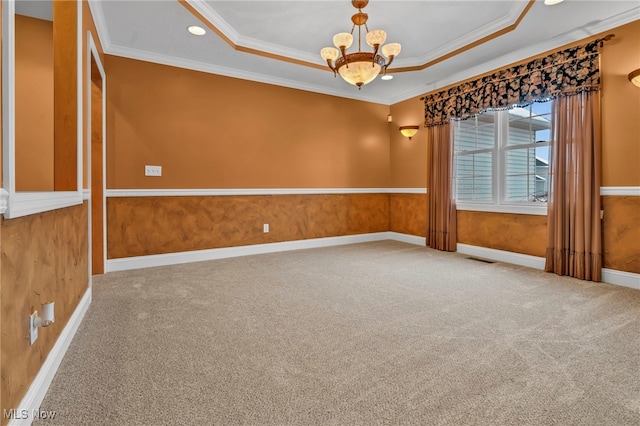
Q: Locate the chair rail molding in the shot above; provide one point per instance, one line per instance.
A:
(257, 191)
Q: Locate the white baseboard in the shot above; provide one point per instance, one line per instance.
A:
(609, 276)
(137, 262)
(625, 279)
(502, 256)
(406, 238)
(150, 261)
(32, 400)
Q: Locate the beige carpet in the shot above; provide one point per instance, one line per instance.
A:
(381, 333)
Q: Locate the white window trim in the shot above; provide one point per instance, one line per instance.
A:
(498, 205)
(504, 208)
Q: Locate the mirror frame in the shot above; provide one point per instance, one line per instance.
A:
(20, 203)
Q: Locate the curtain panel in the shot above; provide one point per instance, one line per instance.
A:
(574, 240)
(566, 72)
(441, 234)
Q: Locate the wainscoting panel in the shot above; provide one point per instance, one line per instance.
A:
(621, 241)
(408, 214)
(519, 233)
(44, 258)
(139, 226)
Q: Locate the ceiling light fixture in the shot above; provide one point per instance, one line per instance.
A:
(196, 30)
(409, 131)
(552, 2)
(360, 68)
(634, 77)
(386, 77)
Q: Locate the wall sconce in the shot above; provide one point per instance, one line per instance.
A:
(409, 131)
(47, 318)
(389, 118)
(634, 77)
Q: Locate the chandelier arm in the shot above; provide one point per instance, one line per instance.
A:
(343, 50)
(375, 51)
(389, 63)
(331, 67)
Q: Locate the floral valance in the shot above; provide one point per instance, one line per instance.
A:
(570, 71)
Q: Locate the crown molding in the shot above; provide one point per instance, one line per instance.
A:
(492, 30)
(228, 33)
(523, 54)
(215, 19)
(238, 40)
(232, 36)
(127, 52)
(101, 24)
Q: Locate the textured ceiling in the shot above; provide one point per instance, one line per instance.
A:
(268, 40)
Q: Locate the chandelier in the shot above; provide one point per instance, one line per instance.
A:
(360, 68)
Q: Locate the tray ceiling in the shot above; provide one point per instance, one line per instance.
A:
(278, 42)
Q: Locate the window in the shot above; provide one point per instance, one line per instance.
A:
(501, 160)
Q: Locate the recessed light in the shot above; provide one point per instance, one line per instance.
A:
(196, 30)
(552, 2)
(386, 77)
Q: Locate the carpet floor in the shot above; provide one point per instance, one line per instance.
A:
(381, 333)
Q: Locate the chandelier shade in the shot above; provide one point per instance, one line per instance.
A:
(391, 50)
(360, 68)
(329, 53)
(341, 40)
(376, 38)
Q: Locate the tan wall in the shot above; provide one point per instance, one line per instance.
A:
(210, 131)
(408, 158)
(34, 104)
(621, 108)
(156, 225)
(51, 266)
(620, 166)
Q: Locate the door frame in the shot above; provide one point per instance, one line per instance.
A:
(92, 54)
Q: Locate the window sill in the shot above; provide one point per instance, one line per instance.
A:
(504, 208)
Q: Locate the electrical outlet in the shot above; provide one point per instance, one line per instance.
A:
(265, 228)
(33, 329)
(153, 170)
